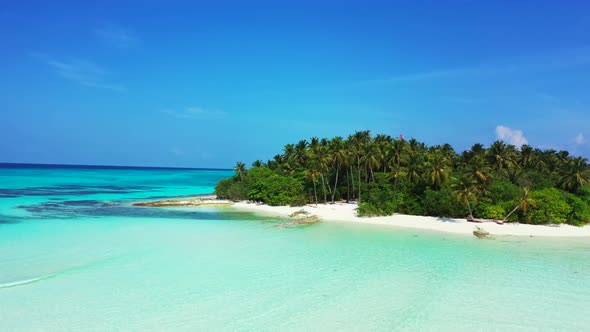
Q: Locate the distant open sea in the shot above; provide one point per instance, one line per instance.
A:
(76, 256)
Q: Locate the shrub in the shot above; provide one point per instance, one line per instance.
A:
(440, 203)
(552, 207)
(231, 189)
(222, 188)
(494, 211)
(503, 191)
(273, 189)
(238, 191)
(580, 210)
(379, 199)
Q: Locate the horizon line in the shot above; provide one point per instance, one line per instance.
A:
(57, 165)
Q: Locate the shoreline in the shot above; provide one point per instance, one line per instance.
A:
(346, 213)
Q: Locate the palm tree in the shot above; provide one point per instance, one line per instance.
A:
(371, 158)
(537, 161)
(322, 159)
(289, 152)
(465, 192)
(413, 146)
(338, 153)
(318, 152)
(549, 160)
(501, 155)
(358, 141)
(383, 142)
(258, 163)
(527, 156)
(448, 151)
(300, 153)
(278, 158)
(478, 170)
(478, 150)
(414, 167)
(350, 161)
(437, 169)
(312, 175)
(396, 174)
(240, 169)
(524, 203)
(396, 152)
(575, 174)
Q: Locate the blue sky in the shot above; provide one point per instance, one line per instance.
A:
(204, 84)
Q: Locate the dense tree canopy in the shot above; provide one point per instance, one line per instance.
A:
(386, 175)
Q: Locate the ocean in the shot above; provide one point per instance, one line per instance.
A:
(75, 255)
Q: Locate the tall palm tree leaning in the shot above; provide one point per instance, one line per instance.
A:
(240, 169)
(524, 203)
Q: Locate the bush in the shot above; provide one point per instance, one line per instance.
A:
(379, 198)
(371, 210)
(580, 213)
(441, 203)
(552, 207)
(238, 191)
(222, 188)
(494, 211)
(537, 180)
(503, 191)
(273, 189)
(231, 189)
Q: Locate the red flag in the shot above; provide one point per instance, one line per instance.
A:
(401, 136)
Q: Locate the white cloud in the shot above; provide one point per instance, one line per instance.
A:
(195, 113)
(580, 139)
(512, 136)
(117, 36)
(84, 72)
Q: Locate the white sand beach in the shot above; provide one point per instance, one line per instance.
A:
(346, 212)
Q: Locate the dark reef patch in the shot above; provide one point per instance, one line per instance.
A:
(72, 189)
(95, 208)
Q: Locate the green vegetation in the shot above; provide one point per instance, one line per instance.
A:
(386, 176)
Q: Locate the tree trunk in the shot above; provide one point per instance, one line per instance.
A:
(352, 179)
(335, 183)
(469, 208)
(347, 186)
(329, 188)
(358, 163)
(511, 212)
(315, 194)
(324, 188)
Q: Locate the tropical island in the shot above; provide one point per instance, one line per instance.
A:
(387, 176)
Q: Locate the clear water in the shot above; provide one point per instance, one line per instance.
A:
(74, 255)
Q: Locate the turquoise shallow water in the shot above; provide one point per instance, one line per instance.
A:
(75, 256)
